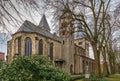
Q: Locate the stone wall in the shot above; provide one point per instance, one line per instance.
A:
(13, 45)
(81, 62)
(82, 42)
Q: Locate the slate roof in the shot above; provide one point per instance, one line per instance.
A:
(27, 26)
(44, 24)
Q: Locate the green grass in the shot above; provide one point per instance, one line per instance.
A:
(79, 80)
(115, 77)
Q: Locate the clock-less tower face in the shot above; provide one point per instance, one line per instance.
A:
(66, 29)
(67, 42)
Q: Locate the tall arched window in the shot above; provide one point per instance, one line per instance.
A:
(51, 51)
(16, 46)
(28, 46)
(41, 47)
(19, 45)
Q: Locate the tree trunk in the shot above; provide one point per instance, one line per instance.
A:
(110, 62)
(114, 64)
(111, 57)
(105, 69)
(105, 65)
(97, 60)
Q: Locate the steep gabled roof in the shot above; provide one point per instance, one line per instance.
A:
(27, 26)
(44, 24)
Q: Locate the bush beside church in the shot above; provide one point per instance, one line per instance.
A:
(32, 68)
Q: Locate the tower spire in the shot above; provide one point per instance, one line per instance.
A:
(44, 24)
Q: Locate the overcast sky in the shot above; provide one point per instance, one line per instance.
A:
(36, 20)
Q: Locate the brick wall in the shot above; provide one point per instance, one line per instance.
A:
(2, 55)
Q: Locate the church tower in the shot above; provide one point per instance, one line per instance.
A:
(67, 42)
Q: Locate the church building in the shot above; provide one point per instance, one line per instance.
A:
(66, 52)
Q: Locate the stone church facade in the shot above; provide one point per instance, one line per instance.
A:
(67, 53)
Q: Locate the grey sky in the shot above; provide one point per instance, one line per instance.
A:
(36, 19)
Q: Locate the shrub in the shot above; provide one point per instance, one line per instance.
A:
(94, 78)
(32, 68)
(2, 63)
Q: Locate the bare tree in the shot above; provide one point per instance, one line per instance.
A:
(93, 15)
(13, 12)
(117, 15)
(107, 37)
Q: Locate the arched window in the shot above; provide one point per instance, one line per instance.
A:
(71, 68)
(41, 47)
(16, 46)
(51, 51)
(28, 46)
(19, 45)
(63, 42)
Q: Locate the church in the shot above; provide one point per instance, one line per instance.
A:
(66, 52)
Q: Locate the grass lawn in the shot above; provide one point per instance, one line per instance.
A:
(79, 80)
(115, 77)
